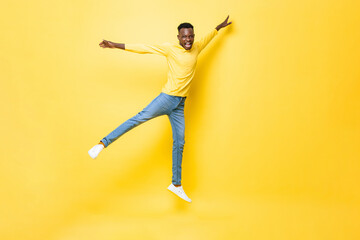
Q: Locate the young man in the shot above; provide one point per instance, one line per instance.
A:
(181, 58)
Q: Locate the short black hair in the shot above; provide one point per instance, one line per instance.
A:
(185, 25)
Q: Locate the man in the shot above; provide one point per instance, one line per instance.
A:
(181, 59)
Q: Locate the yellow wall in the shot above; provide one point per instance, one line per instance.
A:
(272, 123)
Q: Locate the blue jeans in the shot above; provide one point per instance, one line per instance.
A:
(164, 104)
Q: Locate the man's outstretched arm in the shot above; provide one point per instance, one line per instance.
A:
(203, 42)
(160, 49)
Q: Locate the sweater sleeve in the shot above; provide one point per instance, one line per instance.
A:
(160, 49)
(203, 42)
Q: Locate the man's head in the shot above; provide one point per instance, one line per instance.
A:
(186, 35)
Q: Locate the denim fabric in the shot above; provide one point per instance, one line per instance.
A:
(164, 104)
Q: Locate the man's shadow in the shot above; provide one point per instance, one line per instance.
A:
(199, 93)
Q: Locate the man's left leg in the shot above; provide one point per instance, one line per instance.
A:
(177, 121)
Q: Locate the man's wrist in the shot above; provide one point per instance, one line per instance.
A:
(119, 45)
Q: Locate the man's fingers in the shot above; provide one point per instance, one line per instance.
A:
(225, 22)
(106, 44)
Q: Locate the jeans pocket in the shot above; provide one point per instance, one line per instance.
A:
(169, 102)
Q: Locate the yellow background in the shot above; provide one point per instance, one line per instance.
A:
(272, 122)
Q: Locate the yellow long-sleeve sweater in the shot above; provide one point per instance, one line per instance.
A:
(181, 62)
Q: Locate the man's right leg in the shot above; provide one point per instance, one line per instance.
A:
(154, 109)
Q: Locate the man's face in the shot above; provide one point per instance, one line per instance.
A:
(186, 37)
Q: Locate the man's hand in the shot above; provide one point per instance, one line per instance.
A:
(107, 44)
(223, 24)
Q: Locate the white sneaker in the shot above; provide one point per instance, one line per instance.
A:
(179, 191)
(95, 150)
